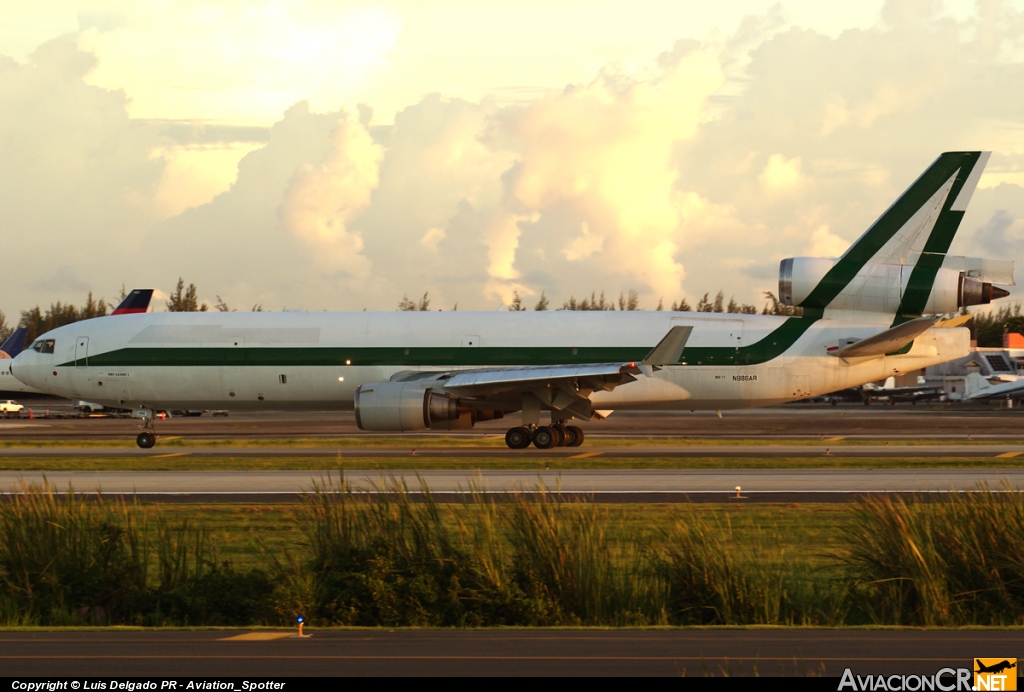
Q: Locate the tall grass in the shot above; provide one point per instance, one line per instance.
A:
(713, 579)
(383, 558)
(563, 560)
(64, 559)
(68, 560)
(392, 561)
(959, 561)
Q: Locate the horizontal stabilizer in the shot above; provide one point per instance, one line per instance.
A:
(958, 321)
(888, 341)
(669, 350)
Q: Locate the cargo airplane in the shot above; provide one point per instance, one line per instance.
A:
(874, 312)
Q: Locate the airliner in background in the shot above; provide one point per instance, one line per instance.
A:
(135, 302)
(875, 312)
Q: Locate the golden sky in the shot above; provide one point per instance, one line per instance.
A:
(339, 155)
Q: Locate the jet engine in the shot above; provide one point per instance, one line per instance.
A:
(402, 406)
(960, 282)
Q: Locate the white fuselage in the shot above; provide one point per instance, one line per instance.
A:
(315, 360)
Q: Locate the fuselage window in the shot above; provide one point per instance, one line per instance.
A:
(43, 346)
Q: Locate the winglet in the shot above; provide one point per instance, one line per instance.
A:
(669, 350)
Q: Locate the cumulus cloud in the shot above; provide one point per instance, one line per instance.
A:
(77, 178)
(696, 172)
(321, 200)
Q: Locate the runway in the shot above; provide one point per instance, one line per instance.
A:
(837, 449)
(693, 653)
(638, 485)
(778, 423)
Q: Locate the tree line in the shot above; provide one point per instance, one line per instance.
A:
(38, 320)
(987, 328)
(631, 301)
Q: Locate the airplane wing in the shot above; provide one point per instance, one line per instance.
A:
(888, 341)
(562, 387)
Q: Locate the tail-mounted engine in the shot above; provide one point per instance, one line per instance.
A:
(958, 283)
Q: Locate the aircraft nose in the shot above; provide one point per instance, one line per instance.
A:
(24, 370)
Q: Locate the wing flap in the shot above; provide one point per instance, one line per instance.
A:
(494, 380)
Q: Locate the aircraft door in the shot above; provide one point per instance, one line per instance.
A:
(82, 352)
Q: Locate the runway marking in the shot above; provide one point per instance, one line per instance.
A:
(587, 455)
(173, 454)
(256, 637)
(1008, 455)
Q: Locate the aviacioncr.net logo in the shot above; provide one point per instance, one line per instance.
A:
(944, 680)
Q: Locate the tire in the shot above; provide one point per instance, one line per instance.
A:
(545, 437)
(146, 440)
(518, 438)
(560, 436)
(569, 436)
(577, 433)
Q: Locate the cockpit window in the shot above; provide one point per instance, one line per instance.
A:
(43, 346)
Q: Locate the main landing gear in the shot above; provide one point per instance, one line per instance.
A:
(544, 436)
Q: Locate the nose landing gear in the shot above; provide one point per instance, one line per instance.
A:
(147, 438)
(544, 437)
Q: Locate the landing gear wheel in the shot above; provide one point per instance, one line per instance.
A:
(544, 437)
(518, 438)
(146, 440)
(577, 436)
(560, 437)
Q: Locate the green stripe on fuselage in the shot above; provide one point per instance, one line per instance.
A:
(768, 348)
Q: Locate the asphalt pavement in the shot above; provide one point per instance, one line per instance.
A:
(632, 485)
(838, 449)
(518, 652)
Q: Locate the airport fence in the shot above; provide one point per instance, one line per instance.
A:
(384, 558)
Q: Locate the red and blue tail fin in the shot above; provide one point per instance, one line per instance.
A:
(136, 301)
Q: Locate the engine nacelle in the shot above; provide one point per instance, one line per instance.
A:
(883, 287)
(799, 275)
(402, 406)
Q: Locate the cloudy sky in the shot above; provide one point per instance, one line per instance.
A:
(335, 155)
